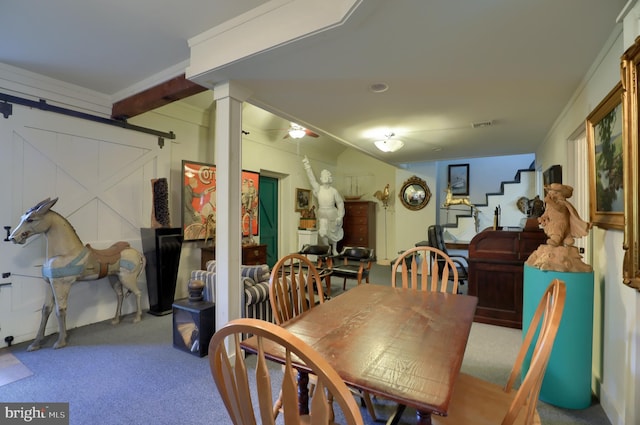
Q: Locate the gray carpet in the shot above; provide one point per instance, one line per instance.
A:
(131, 374)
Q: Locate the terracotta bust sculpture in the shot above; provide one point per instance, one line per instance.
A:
(562, 225)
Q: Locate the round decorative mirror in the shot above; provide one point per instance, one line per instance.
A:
(415, 193)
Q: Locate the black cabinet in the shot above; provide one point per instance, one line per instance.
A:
(162, 247)
(193, 326)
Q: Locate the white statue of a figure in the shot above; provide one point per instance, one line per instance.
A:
(330, 207)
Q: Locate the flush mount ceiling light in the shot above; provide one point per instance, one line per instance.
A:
(379, 87)
(389, 144)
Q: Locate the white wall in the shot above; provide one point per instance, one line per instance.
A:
(373, 175)
(485, 176)
(411, 226)
(616, 313)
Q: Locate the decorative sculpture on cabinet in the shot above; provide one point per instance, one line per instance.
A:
(68, 260)
(562, 225)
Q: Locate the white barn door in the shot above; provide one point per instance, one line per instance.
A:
(101, 175)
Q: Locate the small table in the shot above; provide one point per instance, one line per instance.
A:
(401, 344)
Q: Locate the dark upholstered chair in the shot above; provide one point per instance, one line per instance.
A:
(436, 240)
(352, 263)
(320, 252)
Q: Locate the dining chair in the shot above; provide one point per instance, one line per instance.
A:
(415, 274)
(414, 263)
(476, 401)
(250, 401)
(319, 254)
(295, 287)
(353, 262)
(435, 237)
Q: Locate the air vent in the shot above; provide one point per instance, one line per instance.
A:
(482, 124)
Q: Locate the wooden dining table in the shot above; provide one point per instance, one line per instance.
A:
(401, 344)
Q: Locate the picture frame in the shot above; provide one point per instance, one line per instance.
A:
(250, 200)
(630, 67)
(198, 200)
(459, 179)
(604, 127)
(302, 199)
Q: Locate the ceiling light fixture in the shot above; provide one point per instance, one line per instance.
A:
(389, 144)
(379, 87)
(296, 131)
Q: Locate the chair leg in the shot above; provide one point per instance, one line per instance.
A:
(395, 418)
(327, 283)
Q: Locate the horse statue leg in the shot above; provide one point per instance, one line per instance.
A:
(46, 312)
(114, 280)
(131, 265)
(61, 288)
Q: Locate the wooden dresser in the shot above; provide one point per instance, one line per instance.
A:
(251, 255)
(496, 271)
(359, 224)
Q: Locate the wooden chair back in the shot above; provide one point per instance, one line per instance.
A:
(294, 287)
(416, 274)
(545, 322)
(231, 377)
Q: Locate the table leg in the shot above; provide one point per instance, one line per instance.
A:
(423, 418)
(303, 393)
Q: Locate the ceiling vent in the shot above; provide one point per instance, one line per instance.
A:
(482, 124)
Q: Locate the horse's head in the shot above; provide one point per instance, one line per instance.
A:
(31, 222)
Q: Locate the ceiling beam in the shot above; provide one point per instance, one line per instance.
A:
(170, 91)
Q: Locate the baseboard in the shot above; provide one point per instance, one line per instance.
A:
(609, 406)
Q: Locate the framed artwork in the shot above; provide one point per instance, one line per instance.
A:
(606, 152)
(303, 199)
(630, 65)
(198, 200)
(459, 179)
(250, 202)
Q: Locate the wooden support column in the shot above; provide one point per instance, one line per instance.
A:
(228, 149)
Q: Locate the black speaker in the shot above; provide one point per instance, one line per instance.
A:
(552, 174)
(162, 247)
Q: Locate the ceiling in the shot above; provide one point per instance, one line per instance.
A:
(513, 64)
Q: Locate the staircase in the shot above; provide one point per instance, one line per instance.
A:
(461, 224)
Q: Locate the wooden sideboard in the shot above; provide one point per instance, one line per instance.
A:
(251, 255)
(359, 224)
(496, 269)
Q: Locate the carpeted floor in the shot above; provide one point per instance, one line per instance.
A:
(131, 374)
(11, 369)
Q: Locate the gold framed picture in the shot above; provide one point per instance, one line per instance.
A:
(630, 65)
(303, 199)
(606, 162)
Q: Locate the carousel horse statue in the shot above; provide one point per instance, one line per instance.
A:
(68, 260)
